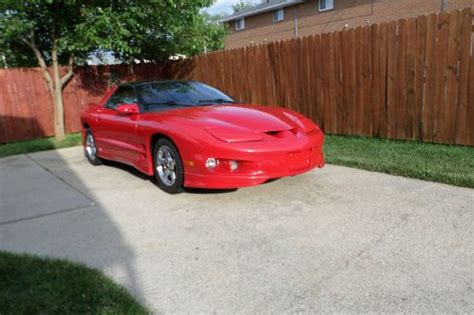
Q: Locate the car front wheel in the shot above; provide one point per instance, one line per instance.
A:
(168, 167)
(90, 149)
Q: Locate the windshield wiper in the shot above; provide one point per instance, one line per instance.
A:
(167, 103)
(216, 101)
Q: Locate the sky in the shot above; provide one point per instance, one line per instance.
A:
(222, 6)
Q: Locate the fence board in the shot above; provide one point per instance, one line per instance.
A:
(392, 81)
(319, 79)
(441, 68)
(410, 79)
(421, 32)
(451, 92)
(345, 97)
(325, 69)
(366, 81)
(383, 63)
(401, 80)
(430, 81)
(470, 101)
(465, 51)
(331, 84)
(407, 79)
(339, 111)
(352, 116)
(375, 80)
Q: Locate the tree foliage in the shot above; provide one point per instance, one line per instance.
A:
(242, 5)
(144, 30)
(50, 33)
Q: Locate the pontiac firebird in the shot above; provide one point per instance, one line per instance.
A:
(188, 134)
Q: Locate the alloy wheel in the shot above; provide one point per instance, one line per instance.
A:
(166, 165)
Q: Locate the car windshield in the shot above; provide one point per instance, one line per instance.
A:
(163, 95)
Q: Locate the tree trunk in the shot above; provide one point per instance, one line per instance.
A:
(59, 130)
(55, 83)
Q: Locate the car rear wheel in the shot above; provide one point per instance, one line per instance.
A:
(168, 167)
(90, 149)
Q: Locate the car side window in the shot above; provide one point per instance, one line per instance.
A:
(124, 95)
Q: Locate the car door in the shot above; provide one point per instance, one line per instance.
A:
(116, 135)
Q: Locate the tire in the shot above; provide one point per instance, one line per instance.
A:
(90, 149)
(168, 167)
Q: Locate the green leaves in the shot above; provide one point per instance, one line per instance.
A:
(242, 5)
(143, 30)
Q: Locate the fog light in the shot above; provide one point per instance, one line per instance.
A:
(233, 165)
(211, 163)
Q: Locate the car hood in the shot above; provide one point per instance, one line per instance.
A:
(234, 123)
(250, 117)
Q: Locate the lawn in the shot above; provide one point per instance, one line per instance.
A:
(33, 285)
(39, 145)
(447, 164)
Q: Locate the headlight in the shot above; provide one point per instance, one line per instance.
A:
(212, 163)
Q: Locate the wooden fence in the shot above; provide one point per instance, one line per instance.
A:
(409, 79)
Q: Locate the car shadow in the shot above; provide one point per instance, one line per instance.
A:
(129, 169)
(133, 171)
(201, 191)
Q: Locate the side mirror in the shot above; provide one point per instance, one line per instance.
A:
(128, 109)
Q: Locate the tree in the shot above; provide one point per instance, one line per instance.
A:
(55, 33)
(214, 33)
(242, 5)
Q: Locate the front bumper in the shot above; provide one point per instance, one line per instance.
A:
(258, 169)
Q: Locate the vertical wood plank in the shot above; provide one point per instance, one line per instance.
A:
(463, 91)
(318, 62)
(339, 111)
(352, 106)
(366, 83)
(401, 80)
(451, 74)
(430, 81)
(421, 24)
(345, 73)
(360, 82)
(375, 98)
(325, 72)
(411, 110)
(441, 68)
(332, 78)
(392, 91)
(383, 63)
(312, 78)
(470, 99)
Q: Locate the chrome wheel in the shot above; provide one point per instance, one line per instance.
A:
(90, 147)
(166, 165)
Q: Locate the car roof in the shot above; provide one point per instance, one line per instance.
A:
(141, 83)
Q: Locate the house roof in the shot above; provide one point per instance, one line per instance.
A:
(260, 8)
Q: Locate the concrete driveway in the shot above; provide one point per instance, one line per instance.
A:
(337, 239)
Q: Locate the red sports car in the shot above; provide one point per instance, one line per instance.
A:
(188, 134)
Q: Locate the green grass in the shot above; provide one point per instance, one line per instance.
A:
(447, 164)
(33, 285)
(434, 162)
(39, 145)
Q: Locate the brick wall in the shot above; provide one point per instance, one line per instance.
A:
(261, 28)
